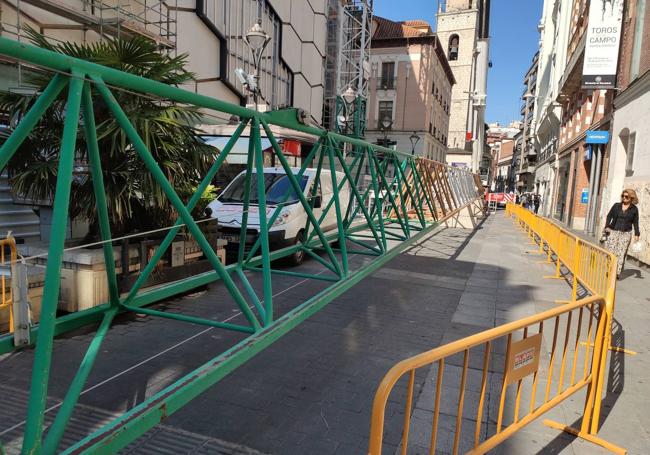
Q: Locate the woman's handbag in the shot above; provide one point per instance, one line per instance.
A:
(636, 247)
(604, 236)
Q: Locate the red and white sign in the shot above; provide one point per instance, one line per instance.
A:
(291, 147)
(500, 197)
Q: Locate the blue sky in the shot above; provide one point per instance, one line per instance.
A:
(513, 41)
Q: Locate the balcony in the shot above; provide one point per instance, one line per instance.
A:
(526, 169)
(386, 83)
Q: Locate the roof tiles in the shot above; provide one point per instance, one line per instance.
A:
(387, 29)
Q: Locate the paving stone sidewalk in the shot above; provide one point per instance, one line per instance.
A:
(311, 392)
(507, 284)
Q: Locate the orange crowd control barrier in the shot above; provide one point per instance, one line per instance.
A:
(530, 379)
(8, 257)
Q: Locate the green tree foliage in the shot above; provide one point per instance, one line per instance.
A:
(135, 201)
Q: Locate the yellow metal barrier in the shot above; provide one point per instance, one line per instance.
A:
(590, 267)
(8, 256)
(581, 331)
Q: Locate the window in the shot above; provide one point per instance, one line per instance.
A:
(385, 112)
(629, 151)
(232, 19)
(387, 75)
(433, 87)
(453, 47)
(638, 39)
(277, 186)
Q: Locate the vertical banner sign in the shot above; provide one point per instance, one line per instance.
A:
(603, 42)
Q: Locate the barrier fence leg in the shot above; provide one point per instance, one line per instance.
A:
(558, 272)
(589, 427)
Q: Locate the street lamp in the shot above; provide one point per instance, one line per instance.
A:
(257, 40)
(414, 141)
(386, 123)
(348, 97)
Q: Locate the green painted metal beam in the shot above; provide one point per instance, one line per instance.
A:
(115, 78)
(50, 301)
(264, 328)
(119, 433)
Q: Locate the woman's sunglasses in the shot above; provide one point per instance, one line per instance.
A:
(625, 196)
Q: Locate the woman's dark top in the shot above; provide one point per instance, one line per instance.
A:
(623, 220)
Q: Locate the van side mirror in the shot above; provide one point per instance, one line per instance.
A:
(208, 212)
(318, 201)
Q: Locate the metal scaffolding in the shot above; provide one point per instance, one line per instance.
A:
(153, 19)
(349, 36)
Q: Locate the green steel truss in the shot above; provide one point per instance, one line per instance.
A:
(411, 196)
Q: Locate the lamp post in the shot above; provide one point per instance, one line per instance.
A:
(414, 141)
(348, 97)
(386, 124)
(257, 40)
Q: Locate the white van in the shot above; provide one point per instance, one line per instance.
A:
(288, 228)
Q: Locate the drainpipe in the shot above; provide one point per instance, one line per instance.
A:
(594, 209)
(592, 179)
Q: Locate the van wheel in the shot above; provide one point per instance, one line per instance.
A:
(298, 256)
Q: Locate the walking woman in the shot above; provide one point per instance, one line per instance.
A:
(622, 217)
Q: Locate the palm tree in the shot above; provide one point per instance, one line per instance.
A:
(135, 201)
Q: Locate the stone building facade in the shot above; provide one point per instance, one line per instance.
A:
(209, 31)
(411, 84)
(463, 28)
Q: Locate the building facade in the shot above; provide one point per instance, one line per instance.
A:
(504, 175)
(554, 35)
(628, 165)
(410, 88)
(210, 32)
(527, 152)
(580, 180)
(463, 28)
(582, 110)
(501, 140)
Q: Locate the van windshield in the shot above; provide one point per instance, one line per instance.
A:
(276, 186)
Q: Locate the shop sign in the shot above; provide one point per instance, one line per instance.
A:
(597, 137)
(524, 358)
(602, 45)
